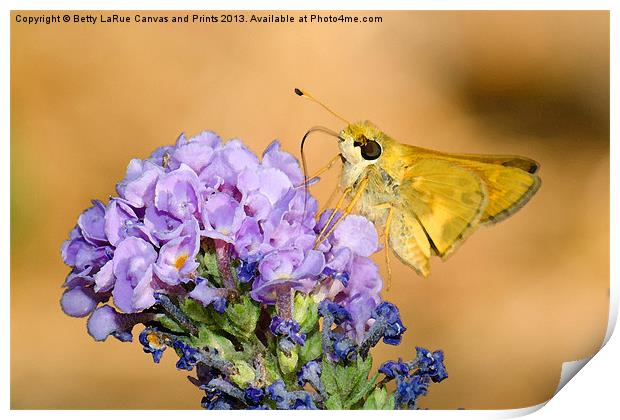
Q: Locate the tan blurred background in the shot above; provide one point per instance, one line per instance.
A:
(508, 308)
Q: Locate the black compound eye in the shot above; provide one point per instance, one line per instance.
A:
(371, 150)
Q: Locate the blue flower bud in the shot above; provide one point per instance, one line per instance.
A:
(431, 364)
(393, 369)
(409, 389)
(327, 308)
(394, 328)
(287, 328)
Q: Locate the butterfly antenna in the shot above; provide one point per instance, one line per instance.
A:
(305, 94)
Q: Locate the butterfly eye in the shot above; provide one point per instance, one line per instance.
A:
(371, 150)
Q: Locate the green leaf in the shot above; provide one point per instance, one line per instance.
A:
(305, 312)
(245, 374)
(346, 377)
(288, 363)
(364, 386)
(312, 349)
(364, 366)
(328, 377)
(169, 323)
(333, 403)
(360, 385)
(196, 311)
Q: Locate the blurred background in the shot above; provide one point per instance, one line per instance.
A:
(508, 308)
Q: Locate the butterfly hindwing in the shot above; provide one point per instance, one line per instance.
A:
(446, 199)
(409, 241)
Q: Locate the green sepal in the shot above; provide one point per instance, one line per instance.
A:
(288, 363)
(243, 316)
(208, 266)
(305, 312)
(312, 348)
(271, 368)
(379, 400)
(207, 338)
(245, 374)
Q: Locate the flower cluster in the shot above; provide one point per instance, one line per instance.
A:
(221, 257)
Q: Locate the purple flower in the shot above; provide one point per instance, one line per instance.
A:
(273, 157)
(133, 269)
(222, 217)
(286, 268)
(286, 400)
(83, 256)
(105, 321)
(310, 372)
(208, 295)
(138, 186)
(206, 137)
(179, 193)
(91, 223)
(79, 301)
(195, 152)
(188, 356)
(360, 295)
(177, 258)
(121, 221)
(248, 240)
(357, 234)
(160, 225)
(227, 163)
(161, 156)
(360, 307)
(262, 189)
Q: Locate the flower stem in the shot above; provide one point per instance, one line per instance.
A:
(222, 253)
(284, 302)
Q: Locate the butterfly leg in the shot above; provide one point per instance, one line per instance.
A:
(331, 216)
(325, 168)
(358, 193)
(386, 240)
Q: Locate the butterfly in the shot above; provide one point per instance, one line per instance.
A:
(427, 202)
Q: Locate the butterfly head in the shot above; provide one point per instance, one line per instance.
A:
(361, 143)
